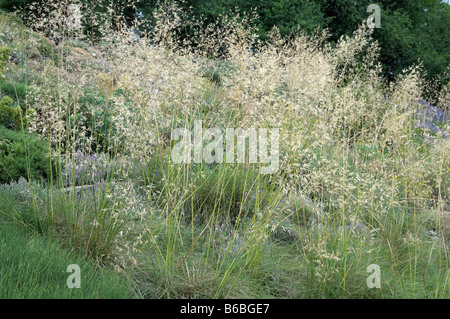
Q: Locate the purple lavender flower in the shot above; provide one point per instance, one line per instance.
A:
(85, 169)
(429, 116)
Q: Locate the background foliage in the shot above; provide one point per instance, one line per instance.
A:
(409, 29)
(22, 155)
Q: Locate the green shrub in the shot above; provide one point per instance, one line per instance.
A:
(5, 53)
(22, 155)
(18, 90)
(10, 117)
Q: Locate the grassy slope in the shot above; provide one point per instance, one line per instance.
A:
(310, 264)
(32, 266)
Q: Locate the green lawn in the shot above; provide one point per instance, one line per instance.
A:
(32, 266)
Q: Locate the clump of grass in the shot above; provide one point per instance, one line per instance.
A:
(213, 76)
(225, 192)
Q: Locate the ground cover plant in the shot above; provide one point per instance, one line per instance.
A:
(87, 166)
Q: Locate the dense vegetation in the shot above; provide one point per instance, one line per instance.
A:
(411, 30)
(88, 173)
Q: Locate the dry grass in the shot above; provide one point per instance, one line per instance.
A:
(348, 146)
